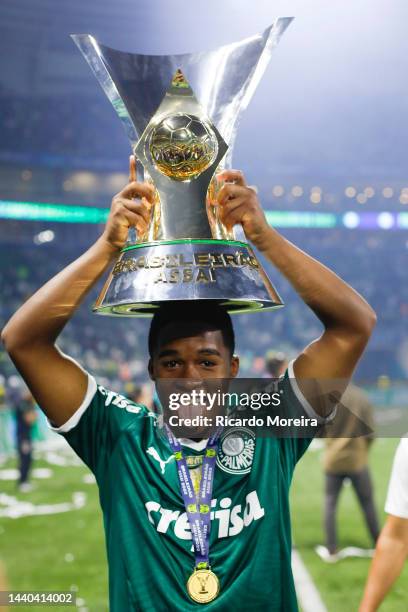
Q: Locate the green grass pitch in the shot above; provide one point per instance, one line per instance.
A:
(341, 584)
(58, 551)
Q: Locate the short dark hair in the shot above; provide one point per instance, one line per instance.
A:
(191, 318)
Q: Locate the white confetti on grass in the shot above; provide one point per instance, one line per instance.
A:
(9, 474)
(62, 459)
(11, 507)
(42, 473)
(14, 474)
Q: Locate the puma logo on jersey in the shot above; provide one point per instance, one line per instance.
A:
(153, 453)
(231, 519)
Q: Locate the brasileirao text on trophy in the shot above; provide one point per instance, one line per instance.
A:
(180, 114)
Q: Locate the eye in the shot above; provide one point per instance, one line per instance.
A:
(172, 363)
(207, 363)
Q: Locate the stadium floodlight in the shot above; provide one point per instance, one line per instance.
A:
(44, 236)
(351, 219)
(386, 220)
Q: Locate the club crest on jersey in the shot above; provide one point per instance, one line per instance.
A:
(236, 451)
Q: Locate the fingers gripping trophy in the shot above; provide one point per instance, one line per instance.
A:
(180, 114)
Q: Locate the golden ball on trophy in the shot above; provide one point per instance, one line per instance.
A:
(182, 146)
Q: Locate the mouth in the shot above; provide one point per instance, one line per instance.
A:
(193, 410)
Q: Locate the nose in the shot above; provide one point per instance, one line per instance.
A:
(189, 378)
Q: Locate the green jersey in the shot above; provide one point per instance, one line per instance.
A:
(148, 538)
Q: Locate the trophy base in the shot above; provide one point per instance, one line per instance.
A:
(151, 274)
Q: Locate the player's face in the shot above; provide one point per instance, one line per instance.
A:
(197, 357)
(193, 363)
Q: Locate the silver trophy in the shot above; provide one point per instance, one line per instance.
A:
(180, 113)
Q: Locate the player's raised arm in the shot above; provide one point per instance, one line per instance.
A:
(347, 317)
(58, 383)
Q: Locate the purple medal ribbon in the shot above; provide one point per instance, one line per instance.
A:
(198, 509)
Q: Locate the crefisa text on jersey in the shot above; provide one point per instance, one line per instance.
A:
(234, 421)
(232, 518)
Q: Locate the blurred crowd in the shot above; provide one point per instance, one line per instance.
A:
(51, 127)
(114, 350)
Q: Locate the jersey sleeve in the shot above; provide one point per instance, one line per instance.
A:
(397, 496)
(295, 405)
(92, 431)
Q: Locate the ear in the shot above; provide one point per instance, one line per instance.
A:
(234, 366)
(150, 369)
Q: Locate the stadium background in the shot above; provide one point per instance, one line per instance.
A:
(324, 141)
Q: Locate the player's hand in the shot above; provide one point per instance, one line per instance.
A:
(239, 204)
(131, 207)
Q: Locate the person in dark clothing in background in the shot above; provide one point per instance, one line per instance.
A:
(25, 419)
(275, 363)
(346, 458)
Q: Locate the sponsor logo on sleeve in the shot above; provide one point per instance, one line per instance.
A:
(120, 401)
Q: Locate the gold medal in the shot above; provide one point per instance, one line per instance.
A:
(203, 586)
